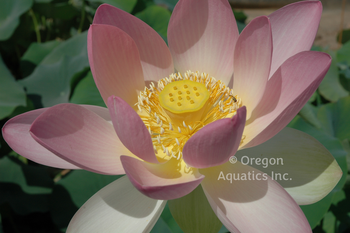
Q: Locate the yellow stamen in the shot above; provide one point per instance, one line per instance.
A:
(178, 106)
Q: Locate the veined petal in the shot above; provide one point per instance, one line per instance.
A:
(118, 207)
(101, 111)
(294, 28)
(161, 181)
(131, 130)
(16, 134)
(216, 142)
(115, 63)
(155, 56)
(81, 137)
(193, 213)
(254, 199)
(252, 62)
(298, 162)
(286, 93)
(202, 35)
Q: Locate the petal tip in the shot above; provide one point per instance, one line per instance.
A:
(216, 142)
(262, 19)
(242, 112)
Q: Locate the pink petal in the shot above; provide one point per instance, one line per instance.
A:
(215, 143)
(294, 28)
(202, 35)
(156, 59)
(286, 93)
(131, 130)
(101, 111)
(16, 134)
(160, 181)
(252, 62)
(250, 204)
(81, 137)
(115, 63)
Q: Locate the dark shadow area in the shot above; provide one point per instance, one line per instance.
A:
(341, 211)
(63, 211)
(22, 202)
(30, 189)
(4, 147)
(31, 223)
(26, 67)
(32, 173)
(36, 100)
(76, 79)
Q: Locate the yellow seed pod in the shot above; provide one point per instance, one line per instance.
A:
(183, 96)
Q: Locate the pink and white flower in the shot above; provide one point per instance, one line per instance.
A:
(173, 133)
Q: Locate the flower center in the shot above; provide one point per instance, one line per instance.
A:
(183, 96)
(179, 106)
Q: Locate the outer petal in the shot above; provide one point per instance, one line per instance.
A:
(156, 59)
(101, 111)
(131, 130)
(118, 207)
(286, 93)
(16, 134)
(202, 35)
(245, 201)
(215, 143)
(193, 213)
(252, 62)
(294, 28)
(115, 63)
(161, 181)
(81, 137)
(298, 162)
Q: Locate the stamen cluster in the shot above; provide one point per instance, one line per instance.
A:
(168, 133)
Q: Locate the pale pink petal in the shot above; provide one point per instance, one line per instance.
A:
(286, 93)
(16, 134)
(160, 181)
(252, 62)
(202, 35)
(118, 207)
(216, 142)
(250, 201)
(156, 59)
(300, 163)
(81, 137)
(115, 63)
(294, 28)
(131, 130)
(101, 111)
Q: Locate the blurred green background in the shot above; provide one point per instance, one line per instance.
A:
(44, 62)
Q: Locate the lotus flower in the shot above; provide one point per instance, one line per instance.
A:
(173, 134)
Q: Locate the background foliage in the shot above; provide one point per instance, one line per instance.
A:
(44, 62)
